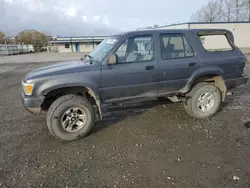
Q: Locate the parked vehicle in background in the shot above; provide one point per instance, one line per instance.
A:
(28, 48)
(15, 49)
(12, 49)
(3, 50)
(172, 64)
(20, 49)
(31, 48)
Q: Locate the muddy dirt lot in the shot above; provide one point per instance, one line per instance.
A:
(147, 144)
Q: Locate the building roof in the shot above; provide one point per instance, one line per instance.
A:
(189, 23)
(184, 23)
(78, 39)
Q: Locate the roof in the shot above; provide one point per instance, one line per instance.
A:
(150, 31)
(142, 32)
(184, 23)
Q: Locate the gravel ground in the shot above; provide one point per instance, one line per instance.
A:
(144, 144)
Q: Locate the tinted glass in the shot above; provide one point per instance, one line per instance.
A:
(135, 49)
(175, 46)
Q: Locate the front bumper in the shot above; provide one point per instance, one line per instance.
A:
(32, 104)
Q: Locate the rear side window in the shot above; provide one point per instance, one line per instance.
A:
(174, 46)
(214, 43)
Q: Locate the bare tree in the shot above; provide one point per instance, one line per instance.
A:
(209, 12)
(220, 12)
(1, 37)
(223, 10)
(247, 10)
(238, 10)
(197, 16)
(228, 10)
(248, 3)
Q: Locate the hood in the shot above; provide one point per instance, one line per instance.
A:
(58, 69)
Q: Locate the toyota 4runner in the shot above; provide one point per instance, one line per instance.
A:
(197, 67)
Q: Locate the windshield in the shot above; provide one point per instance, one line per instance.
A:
(103, 48)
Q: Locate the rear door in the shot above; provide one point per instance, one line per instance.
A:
(177, 62)
(132, 75)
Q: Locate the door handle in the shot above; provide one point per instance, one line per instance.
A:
(192, 64)
(151, 67)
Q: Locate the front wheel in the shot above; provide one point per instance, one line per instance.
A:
(203, 100)
(70, 117)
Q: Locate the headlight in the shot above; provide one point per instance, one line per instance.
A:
(28, 88)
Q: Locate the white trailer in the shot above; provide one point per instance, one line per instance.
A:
(15, 49)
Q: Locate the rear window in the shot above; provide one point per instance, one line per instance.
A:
(214, 43)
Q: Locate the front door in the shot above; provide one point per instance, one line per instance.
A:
(177, 62)
(133, 74)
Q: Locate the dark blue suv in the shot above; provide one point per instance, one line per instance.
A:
(197, 67)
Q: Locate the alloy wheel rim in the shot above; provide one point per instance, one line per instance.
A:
(206, 102)
(73, 119)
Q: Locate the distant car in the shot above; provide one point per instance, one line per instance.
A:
(31, 48)
(178, 64)
(43, 49)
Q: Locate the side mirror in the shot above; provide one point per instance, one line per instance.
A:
(82, 58)
(111, 60)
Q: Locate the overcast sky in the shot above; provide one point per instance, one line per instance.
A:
(92, 17)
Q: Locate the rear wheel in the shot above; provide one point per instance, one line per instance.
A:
(70, 117)
(203, 100)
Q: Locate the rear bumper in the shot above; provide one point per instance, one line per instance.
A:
(32, 104)
(233, 84)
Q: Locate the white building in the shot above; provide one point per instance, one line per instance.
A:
(240, 30)
(76, 44)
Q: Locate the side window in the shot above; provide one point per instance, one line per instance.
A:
(175, 46)
(66, 45)
(121, 52)
(221, 44)
(135, 49)
(188, 49)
